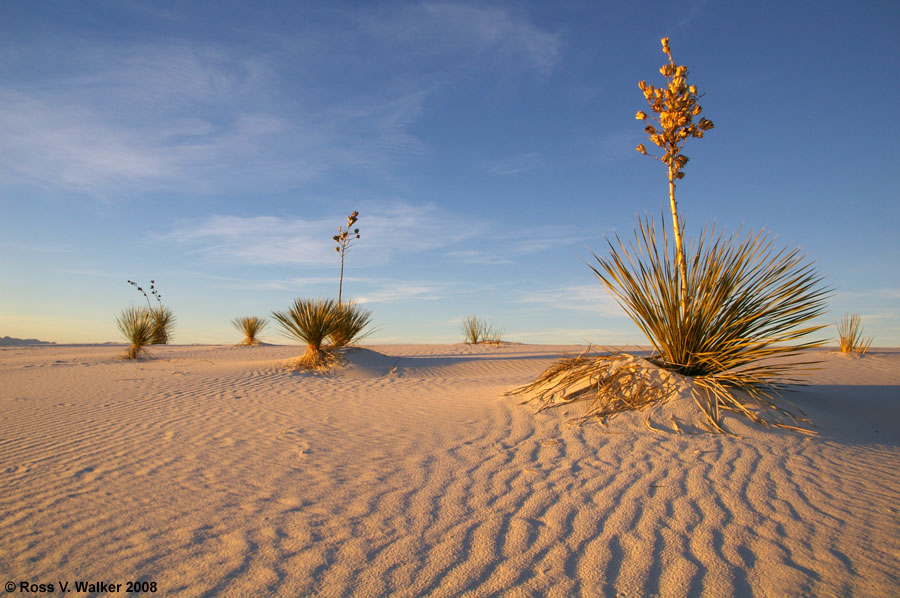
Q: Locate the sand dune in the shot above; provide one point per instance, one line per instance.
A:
(214, 471)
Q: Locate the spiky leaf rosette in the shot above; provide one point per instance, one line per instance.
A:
(850, 335)
(136, 325)
(163, 325)
(310, 321)
(250, 327)
(746, 302)
(351, 324)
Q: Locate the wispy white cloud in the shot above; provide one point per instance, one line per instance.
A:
(479, 256)
(586, 298)
(390, 291)
(201, 116)
(35, 248)
(515, 164)
(467, 35)
(387, 229)
(508, 247)
(882, 293)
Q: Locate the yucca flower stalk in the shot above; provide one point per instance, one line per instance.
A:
(310, 321)
(675, 107)
(850, 335)
(136, 325)
(250, 327)
(344, 240)
(351, 325)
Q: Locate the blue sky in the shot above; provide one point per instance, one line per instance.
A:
(216, 147)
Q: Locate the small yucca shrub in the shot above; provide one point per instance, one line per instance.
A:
(850, 335)
(250, 327)
(477, 331)
(136, 325)
(310, 321)
(352, 321)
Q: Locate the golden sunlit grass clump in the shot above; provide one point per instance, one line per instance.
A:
(716, 310)
(850, 335)
(250, 327)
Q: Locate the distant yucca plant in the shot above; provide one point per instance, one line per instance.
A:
(163, 317)
(850, 333)
(250, 327)
(136, 325)
(310, 321)
(473, 329)
(478, 331)
(351, 323)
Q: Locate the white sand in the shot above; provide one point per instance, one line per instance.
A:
(213, 471)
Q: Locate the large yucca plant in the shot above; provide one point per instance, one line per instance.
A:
(136, 325)
(746, 303)
(351, 324)
(716, 311)
(310, 321)
(744, 300)
(250, 327)
(850, 335)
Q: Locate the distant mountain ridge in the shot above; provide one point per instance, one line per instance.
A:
(8, 341)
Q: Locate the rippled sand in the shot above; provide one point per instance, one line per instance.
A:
(215, 471)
